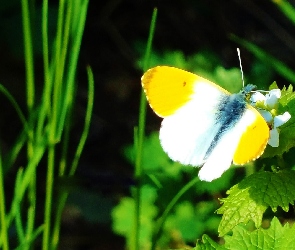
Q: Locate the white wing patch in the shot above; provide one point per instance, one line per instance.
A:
(222, 155)
(187, 134)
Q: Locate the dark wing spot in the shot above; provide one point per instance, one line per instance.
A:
(184, 83)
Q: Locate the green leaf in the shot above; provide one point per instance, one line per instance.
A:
(172, 58)
(154, 159)
(153, 155)
(276, 237)
(123, 216)
(186, 221)
(287, 134)
(287, 95)
(249, 199)
(208, 244)
(217, 185)
(229, 79)
(192, 221)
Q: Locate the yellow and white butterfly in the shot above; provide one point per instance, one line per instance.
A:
(204, 125)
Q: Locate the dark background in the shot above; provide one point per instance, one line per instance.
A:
(113, 29)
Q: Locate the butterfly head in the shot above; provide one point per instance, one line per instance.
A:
(246, 91)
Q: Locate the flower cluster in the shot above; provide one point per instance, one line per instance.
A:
(267, 106)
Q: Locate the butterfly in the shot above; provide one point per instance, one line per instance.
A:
(204, 125)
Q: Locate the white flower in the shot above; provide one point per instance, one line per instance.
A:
(272, 98)
(269, 100)
(257, 97)
(274, 140)
(266, 105)
(279, 120)
(266, 115)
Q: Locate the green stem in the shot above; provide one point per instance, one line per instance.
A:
(56, 228)
(66, 135)
(29, 171)
(249, 169)
(18, 219)
(45, 41)
(31, 209)
(72, 64)
(29, 58)
(57, 95)
(63, 198)
(4, 228)
(16, 107)
(139, 142)
(46, 95)
(162, 219)
(87, 121)
(59, 69)
(48, 199)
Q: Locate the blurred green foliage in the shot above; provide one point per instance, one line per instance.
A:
(44, 139)
(192, 215)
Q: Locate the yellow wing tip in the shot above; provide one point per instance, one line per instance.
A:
(253, 141)
(168, 88)
(150, 72)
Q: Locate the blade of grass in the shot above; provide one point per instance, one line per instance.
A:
(287, 9)
(45, 41)
(278, 66)
(29, 171)
(28, 242)
(30, 85)
(63, 95)
(139, 142)
(64, 195)
(16, 107)
(162, 219)
(68, 20)
(54, 120)
(86, 123)
(58, 73)
(24, 135)
(46, 95)
(31, 213)
(65, 143)
(21, 140)
(29, 57)
(61, 56)
(48, 196)
(18, 220)
(4, 226)
(72, 65)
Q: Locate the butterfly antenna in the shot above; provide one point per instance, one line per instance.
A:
(239, 55)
